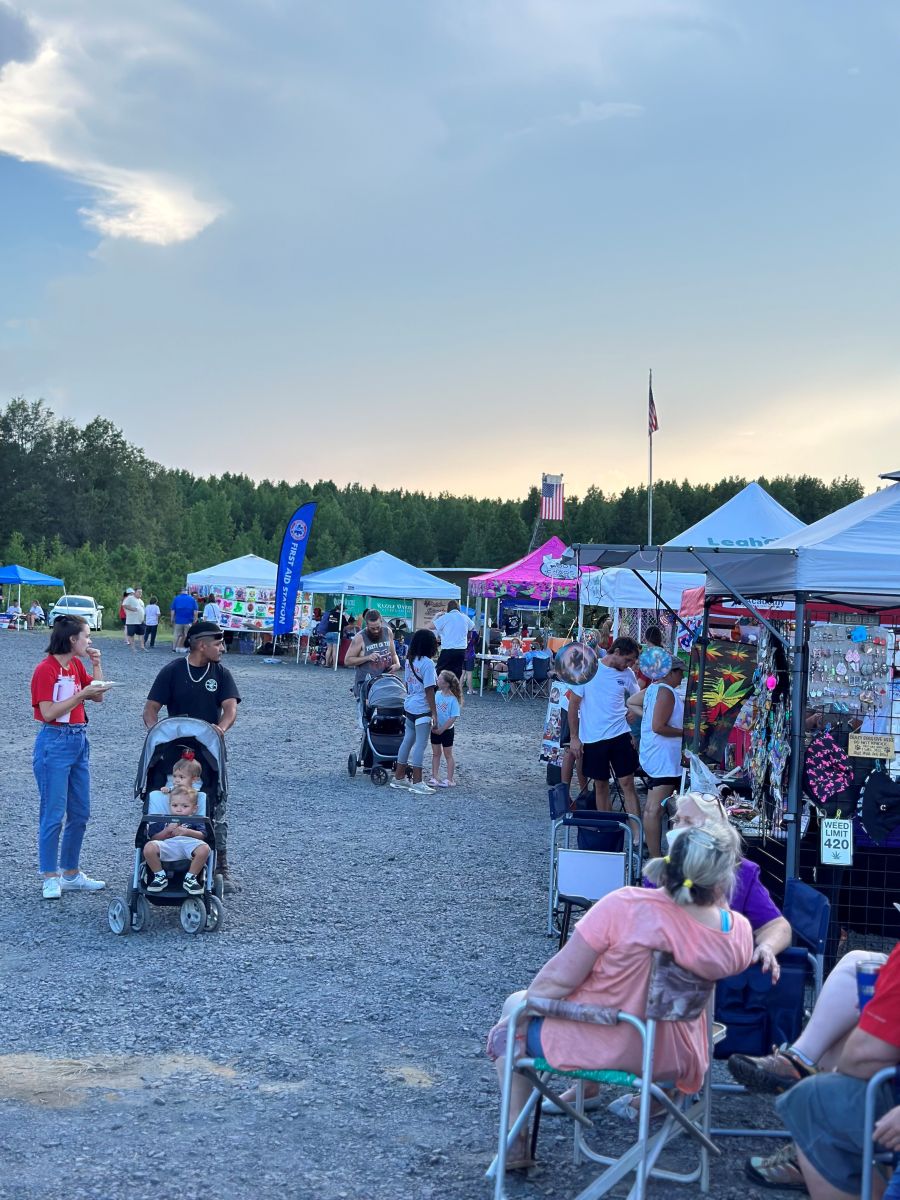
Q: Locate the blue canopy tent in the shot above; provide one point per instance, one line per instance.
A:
(16, 574)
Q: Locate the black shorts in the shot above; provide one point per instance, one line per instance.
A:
(617, 754)
(134, 630)
(669, 781)
(443, 739)
(451, 660)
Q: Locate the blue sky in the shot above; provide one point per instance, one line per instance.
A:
(438, 243)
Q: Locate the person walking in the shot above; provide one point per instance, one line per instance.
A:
(598, 721)
(60, 685)
(134, 618)
(453, 628)
(182, 613)
(151, 622)
(202, 688)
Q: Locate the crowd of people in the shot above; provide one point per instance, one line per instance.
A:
(699, 899)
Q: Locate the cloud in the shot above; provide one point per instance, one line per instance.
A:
(18, 42)
(53, 111)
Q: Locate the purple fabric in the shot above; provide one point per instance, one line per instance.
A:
(750, 896)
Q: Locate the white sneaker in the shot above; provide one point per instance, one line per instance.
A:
(421, 789)
(400, 783)
(52, 890)
(81, 883)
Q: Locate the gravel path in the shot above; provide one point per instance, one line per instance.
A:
(328, 1042)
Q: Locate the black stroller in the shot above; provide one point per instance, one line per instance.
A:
(381, 702)
(164, 745)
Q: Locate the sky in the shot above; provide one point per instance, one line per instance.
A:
(439, 244)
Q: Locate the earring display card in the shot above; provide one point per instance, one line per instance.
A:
(850, 674)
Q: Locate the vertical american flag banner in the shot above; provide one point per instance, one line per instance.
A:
(652, 419)
(551, 497)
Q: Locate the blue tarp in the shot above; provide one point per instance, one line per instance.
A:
(17, 574)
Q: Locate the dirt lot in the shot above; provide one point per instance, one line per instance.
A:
(328, 1042)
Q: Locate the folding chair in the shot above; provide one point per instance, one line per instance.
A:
(605, 838)
(870, 1155)
(540, 676)
(674, 994)
(809, 915)
(515, 678)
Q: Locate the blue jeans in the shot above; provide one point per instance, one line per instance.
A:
(62, 769)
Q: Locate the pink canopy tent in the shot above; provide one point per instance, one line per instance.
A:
(538, 576)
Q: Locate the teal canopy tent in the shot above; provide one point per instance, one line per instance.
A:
(16, 574)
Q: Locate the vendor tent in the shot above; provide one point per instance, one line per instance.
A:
(19, 575)
(247, 571)
(380, 574)
(850, 557)
(749, 520)
(537, 576)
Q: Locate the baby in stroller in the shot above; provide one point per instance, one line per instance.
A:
(172, 841)
(182, 784)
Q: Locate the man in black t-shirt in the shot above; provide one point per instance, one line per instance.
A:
(199, 686)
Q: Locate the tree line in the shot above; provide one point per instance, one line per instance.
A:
(84, 504)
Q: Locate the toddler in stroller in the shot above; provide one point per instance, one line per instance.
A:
(381, 700)
(179, 754)
(173, 841)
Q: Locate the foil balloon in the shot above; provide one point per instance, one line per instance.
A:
(655, 662)
(576, 663)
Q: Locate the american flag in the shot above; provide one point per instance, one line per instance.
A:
(551, 497)
(652, 419)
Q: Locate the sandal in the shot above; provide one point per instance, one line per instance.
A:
(778, 1170)
(437, 782)
(773, 1073)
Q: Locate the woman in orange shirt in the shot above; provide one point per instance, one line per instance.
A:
(608, 959)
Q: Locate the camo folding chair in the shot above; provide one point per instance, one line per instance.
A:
(673, 994)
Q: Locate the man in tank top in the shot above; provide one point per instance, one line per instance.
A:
(372, 650)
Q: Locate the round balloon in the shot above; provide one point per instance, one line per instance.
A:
(576, 663)
(655, 662)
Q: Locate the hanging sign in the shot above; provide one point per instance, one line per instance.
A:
(836, 842)
(870, 745)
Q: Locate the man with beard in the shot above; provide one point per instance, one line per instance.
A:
(371, 652)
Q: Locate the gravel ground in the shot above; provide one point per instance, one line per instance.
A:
(328, 1042)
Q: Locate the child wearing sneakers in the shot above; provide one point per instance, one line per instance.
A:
(179, 839)
(448, 702)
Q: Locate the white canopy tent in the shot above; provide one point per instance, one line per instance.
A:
(850, 557)
(379, 574)
(247, 571)
(751, 519)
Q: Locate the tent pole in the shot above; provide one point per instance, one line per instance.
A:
(306, 655)
(702, 642)
(798, 707)
(337, 653)
(484, 633)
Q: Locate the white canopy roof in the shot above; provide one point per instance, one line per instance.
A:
(852, 555)
(380, 574)
(747, 521)
(618, 587)
(247, 571)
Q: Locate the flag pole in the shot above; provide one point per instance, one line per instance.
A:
(650, 474)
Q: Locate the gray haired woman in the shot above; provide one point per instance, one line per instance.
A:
(607, 963)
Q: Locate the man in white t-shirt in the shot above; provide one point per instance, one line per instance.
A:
(134, 618)
(598, 724)
(452, 627)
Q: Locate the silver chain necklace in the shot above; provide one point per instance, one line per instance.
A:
(190, 676)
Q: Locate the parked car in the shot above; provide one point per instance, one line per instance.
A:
(77, 606)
